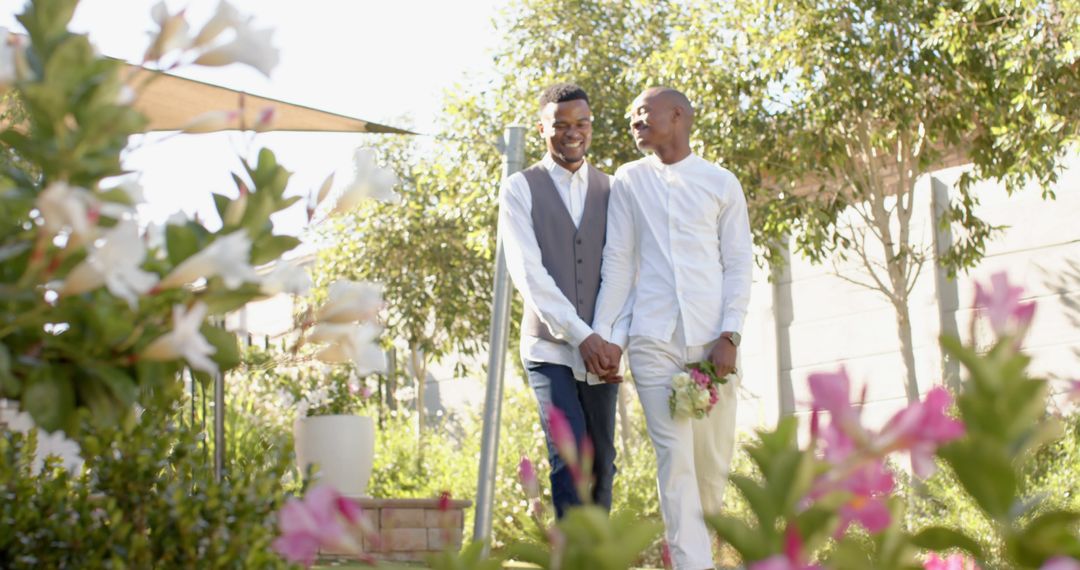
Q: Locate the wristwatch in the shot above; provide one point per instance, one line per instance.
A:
(734, 337)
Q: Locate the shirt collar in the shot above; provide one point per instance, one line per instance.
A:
(556, 170)
(680, 166)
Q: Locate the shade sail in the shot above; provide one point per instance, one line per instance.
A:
(170, 102)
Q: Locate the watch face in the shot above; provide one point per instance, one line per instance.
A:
(735, 337)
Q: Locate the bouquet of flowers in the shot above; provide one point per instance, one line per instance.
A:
(695, 391)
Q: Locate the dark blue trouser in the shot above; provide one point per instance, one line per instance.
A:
(591, 412)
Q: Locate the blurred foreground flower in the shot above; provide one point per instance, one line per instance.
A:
(1001, 302)
(322, 519)
(227, 257)
(116, 265)
(349, 301)
(371, 181)
(185, 341)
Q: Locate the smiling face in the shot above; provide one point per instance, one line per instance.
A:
(567, 130)
(653, 120)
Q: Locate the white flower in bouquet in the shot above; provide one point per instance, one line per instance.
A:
(115, 264)
(371, 182)
(63, 206)
(249, 46)
(286, 277)
(185, 341)
(227, 257)
(350, 301)
(353, 342)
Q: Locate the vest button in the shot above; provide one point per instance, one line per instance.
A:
(579, 241)
(579, 261)
(580, 281)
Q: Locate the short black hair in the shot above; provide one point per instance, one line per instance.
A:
(562, 92)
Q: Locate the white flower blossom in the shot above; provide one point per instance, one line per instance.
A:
(356, 343)
(224, 18)
(172, 32)
(55, 443)
(184, 341)
(114, 264)
(350, 301)
(286, 277)
(227, 257)
(63, 206)
(249, 46)
(371, 181)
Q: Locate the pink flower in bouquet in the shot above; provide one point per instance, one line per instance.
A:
(921, 428)
(700, 378)
(953, 562)
(1001, 301)
(1061, 563)
(323, 518)
(714, 395)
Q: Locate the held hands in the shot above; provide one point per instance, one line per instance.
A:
(601, 358)
(723, 356)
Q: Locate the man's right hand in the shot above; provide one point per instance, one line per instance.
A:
(601, 358)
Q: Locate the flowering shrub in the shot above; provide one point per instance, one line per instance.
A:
(96, 312)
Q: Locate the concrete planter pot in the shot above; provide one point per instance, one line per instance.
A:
(342, 448)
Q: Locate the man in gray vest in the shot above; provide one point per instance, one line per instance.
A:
(552, 223)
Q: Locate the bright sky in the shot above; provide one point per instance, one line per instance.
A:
(383, 61)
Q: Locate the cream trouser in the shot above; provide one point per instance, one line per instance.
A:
(692, 456)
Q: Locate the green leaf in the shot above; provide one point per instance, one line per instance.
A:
(10, 387)
(271, 248)
(741, 536)
(761, 502)
(183, 241)
(48, 398)
(942, 539)
(227, 355)
(986, 474)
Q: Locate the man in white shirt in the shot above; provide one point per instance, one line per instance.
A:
(678, 238)
(552, 222)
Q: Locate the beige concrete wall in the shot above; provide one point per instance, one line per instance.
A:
(835, 323)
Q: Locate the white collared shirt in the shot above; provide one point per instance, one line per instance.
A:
(678, 236)
(526, 268)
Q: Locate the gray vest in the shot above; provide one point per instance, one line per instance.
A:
(571, 255)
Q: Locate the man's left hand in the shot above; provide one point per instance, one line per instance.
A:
(723, 357)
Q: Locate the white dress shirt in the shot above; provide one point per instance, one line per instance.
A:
(678, 236)
(526, 267)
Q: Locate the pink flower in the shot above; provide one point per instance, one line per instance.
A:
(791, 559)
(831, 391)
(714, 395)
(921, 428)
(665, 554)
(527, 475)
(868, 485)
(445, 500)
(562, 435)
(1061, 563)
(1008, 316)
(323, 518)
(700, 378)
(953, 562)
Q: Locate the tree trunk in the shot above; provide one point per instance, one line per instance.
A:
(419, 369)
(907, 349)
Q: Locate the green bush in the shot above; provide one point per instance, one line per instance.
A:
(146, 498)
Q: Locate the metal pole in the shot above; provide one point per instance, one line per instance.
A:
(219, 425)
(947, 296)
(513, 157)
(783, 315)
